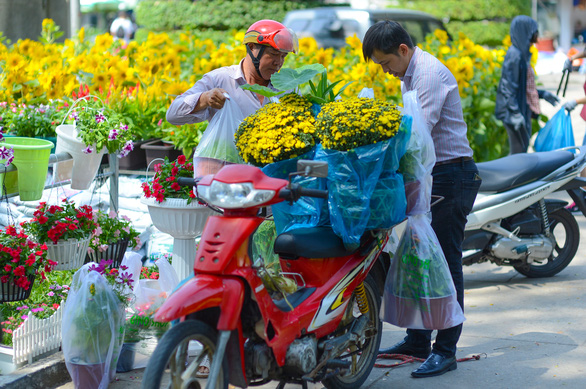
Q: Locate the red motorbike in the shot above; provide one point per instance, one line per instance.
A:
(328, 330)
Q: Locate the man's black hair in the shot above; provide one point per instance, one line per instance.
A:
(385, 36)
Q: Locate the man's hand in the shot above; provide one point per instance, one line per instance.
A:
(550, 98)
(567, 65)
(518, 122)
(570, 105)
(214, 98)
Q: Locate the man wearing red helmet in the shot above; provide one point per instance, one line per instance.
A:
(267, 44)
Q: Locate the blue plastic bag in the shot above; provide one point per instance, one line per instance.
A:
(362, 184)
(305, 212)
(556, 134)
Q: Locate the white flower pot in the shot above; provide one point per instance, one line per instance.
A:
(69, 254)
(83, 168)
(184, 222)
(177, 218)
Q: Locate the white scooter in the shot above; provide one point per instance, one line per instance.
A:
(512, 222)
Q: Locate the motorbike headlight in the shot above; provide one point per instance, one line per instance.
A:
(231, 196)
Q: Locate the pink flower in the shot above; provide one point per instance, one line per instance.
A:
(113, 135)
(88, 150)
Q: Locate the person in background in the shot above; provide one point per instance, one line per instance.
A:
(517, 100)
(122, 27)
(455, 176)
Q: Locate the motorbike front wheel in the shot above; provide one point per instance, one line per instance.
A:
(363, 356)
(180, 354)
(566, 234)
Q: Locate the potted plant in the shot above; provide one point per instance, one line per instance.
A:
(186, 137)
(111, 238)
(33, 121)
(21, 260)
(142, 332)
(173, 210)
(93, 323)
(146, 115)
(39, 316)
(65, 229)
(95, 130)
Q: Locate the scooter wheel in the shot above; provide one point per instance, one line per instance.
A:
(566, 233)
(184, 347)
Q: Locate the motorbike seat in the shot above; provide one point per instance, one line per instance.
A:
(312, 242)
(520, 169)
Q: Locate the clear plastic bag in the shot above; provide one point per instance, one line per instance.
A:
(417, 163)
(92, 330)
(419, 292)
(217, 146)
(142, 332)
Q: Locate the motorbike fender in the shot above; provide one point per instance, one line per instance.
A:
(206, 291)
(221, 238)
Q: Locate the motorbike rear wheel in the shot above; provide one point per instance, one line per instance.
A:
(182, 349)
(364, 356)
(566, 233)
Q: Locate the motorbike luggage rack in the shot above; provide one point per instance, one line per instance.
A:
(298, 278)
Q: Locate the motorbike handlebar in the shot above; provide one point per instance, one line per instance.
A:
(187, 181)
(296, 191)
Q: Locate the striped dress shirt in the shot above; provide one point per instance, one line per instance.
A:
(437, 91)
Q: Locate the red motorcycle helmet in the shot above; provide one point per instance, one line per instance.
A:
(272, 33)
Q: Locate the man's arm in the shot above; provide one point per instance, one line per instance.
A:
(195, 104)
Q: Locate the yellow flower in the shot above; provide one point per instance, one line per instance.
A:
(277, 131)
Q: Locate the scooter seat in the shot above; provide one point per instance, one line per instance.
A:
(520, 169)
(313, 242)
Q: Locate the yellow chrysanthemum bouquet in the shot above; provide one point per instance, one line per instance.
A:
(350, 123)
(277, 132)
(363, 139)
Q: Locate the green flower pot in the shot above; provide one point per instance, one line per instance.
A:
(31, 158)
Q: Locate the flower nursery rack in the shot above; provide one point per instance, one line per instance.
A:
(113, 172)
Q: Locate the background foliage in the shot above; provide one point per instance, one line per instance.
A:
(486, 22)
(140, 80)
(219, 15)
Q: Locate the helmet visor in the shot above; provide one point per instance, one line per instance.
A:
(283, 40)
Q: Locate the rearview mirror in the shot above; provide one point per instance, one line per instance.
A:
(310, 168)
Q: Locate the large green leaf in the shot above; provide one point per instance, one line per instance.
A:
(288, 78)
(261, 90)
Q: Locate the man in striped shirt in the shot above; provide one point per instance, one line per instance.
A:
(455, 176)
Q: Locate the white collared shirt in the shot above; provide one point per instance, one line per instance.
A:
(229, 78)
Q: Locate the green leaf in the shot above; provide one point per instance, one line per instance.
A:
(33, 83)
(291, 78)
(16, 87)
(261, 90)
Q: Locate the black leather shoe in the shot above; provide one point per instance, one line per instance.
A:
(435, 365)
(406, 349)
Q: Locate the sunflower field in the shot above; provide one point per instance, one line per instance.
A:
(141, 79)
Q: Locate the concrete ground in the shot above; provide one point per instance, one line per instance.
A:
(530, 333)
